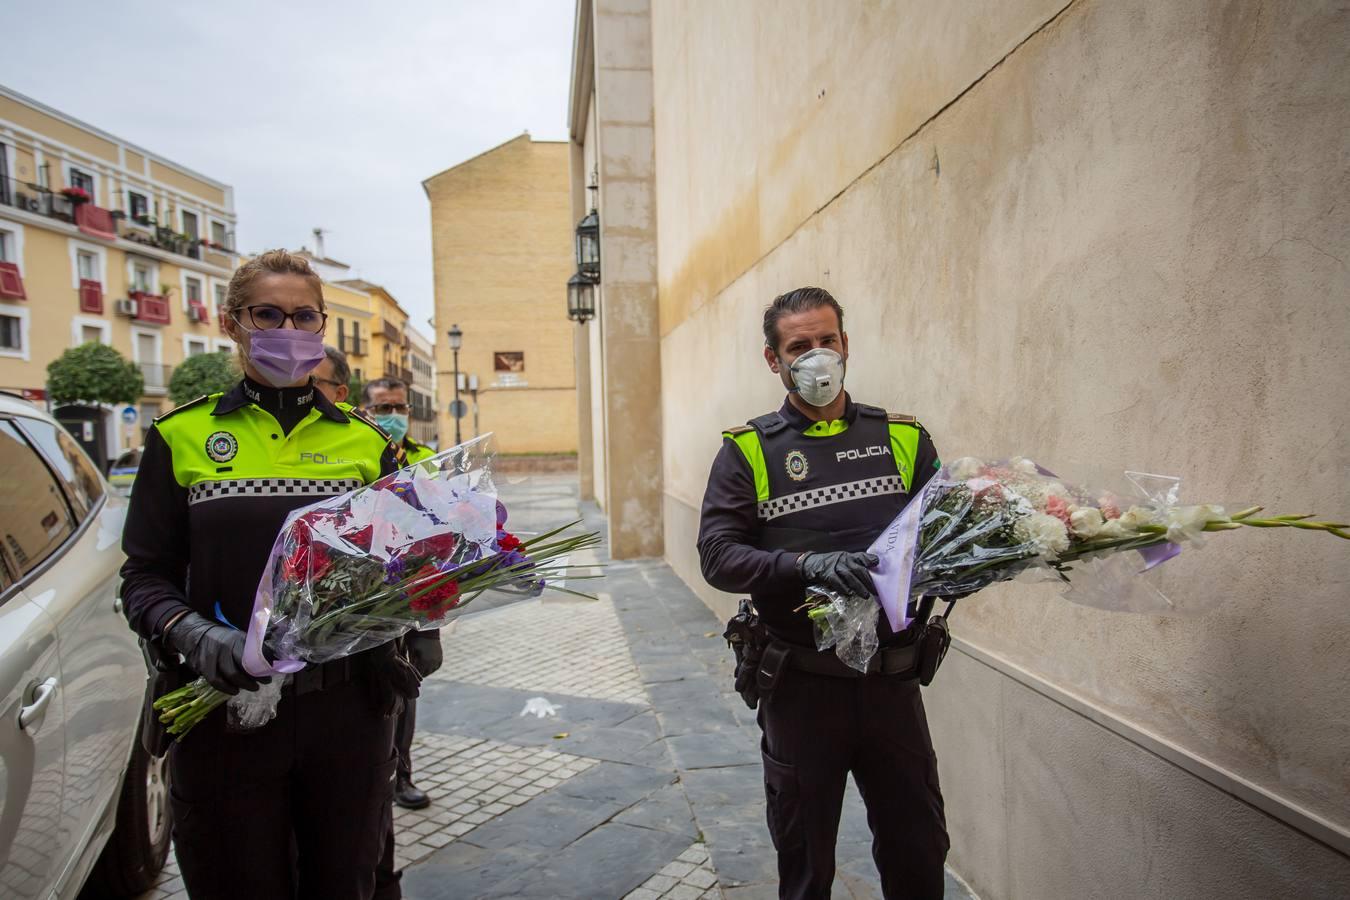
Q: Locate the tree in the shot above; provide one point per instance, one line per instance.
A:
(93, 373)
(205, 373)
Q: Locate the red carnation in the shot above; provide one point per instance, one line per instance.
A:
(361, 537)
(509, 542)
(307, 562)
(437, 600)
(440, 546)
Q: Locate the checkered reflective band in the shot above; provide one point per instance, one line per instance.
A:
(270, 487)
(835, 493)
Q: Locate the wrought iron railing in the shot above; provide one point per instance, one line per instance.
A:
(142, 229)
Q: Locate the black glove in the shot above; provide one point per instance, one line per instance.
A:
(424, 651)
(394, 682)
(843, 573)
(213, 651)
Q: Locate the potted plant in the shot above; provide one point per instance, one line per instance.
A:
(76, 194)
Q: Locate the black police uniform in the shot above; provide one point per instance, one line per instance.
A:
(414, 452)
(425, 654)
(299, 807)
(828, 487)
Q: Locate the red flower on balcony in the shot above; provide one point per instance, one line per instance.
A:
(76, 194)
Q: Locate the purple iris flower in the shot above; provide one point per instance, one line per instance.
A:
(394, 570)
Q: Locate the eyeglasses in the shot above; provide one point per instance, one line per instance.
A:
(384, 409)
(267, 318)
(335, 384)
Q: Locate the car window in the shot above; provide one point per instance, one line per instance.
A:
(34, 517)
(72, 465)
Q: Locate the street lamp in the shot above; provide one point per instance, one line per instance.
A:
(456, 341)
(580, 299)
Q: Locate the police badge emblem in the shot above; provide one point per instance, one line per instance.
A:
(222, 446)
(796, 465)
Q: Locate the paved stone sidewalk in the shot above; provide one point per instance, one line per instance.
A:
(644, 781)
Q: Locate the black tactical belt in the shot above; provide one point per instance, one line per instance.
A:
(887, 661)
(320, 677)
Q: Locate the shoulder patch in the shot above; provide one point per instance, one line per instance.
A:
(188, 405)
(739, 429)
(769, 423)
(901, 419)
(356, 415)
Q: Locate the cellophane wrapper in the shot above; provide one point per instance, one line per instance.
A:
(980, 522)
(358, 570)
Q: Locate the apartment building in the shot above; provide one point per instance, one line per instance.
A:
(103, 240)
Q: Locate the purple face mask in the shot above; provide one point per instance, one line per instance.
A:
(283, 356)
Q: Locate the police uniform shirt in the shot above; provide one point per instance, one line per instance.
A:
(731, 530)
(414, 452)
(218, 477)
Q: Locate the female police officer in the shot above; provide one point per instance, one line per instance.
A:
(297, 808)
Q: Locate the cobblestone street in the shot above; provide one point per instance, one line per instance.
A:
(592, 749)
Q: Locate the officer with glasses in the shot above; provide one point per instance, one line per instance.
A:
(333, 375)
(300, 806)
(385, 400)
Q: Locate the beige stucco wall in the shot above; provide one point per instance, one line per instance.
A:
(1122, 243)
(501, 227)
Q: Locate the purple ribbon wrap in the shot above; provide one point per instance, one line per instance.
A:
(896, 547)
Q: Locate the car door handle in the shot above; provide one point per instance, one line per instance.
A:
(35, 712)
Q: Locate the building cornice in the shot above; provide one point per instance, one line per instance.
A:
(130, 178)
(583, 71)
(110, 138)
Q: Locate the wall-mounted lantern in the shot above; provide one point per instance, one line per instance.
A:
(580, 299)
(588, 238)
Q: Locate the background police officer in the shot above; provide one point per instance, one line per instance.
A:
(333, 375)
(793, 500)
(299, 807)
(385, 401)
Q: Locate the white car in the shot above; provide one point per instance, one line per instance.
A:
(80, 801)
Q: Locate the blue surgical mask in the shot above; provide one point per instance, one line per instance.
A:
(394, 423)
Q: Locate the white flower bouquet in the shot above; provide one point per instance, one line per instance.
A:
(979, 522)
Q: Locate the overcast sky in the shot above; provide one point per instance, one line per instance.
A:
(318, 114)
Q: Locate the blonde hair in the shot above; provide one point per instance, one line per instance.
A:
(273, 262)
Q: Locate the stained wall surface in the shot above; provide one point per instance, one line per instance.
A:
(1109, 234)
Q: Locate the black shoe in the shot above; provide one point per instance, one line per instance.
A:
(410, 796)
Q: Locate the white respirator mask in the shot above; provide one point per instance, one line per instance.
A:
(818, 375)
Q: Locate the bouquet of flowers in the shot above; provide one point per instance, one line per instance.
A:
(361, 569)
(976, 523)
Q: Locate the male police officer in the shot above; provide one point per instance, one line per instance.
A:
(793, 500)
(333, 376)
(385, 401)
